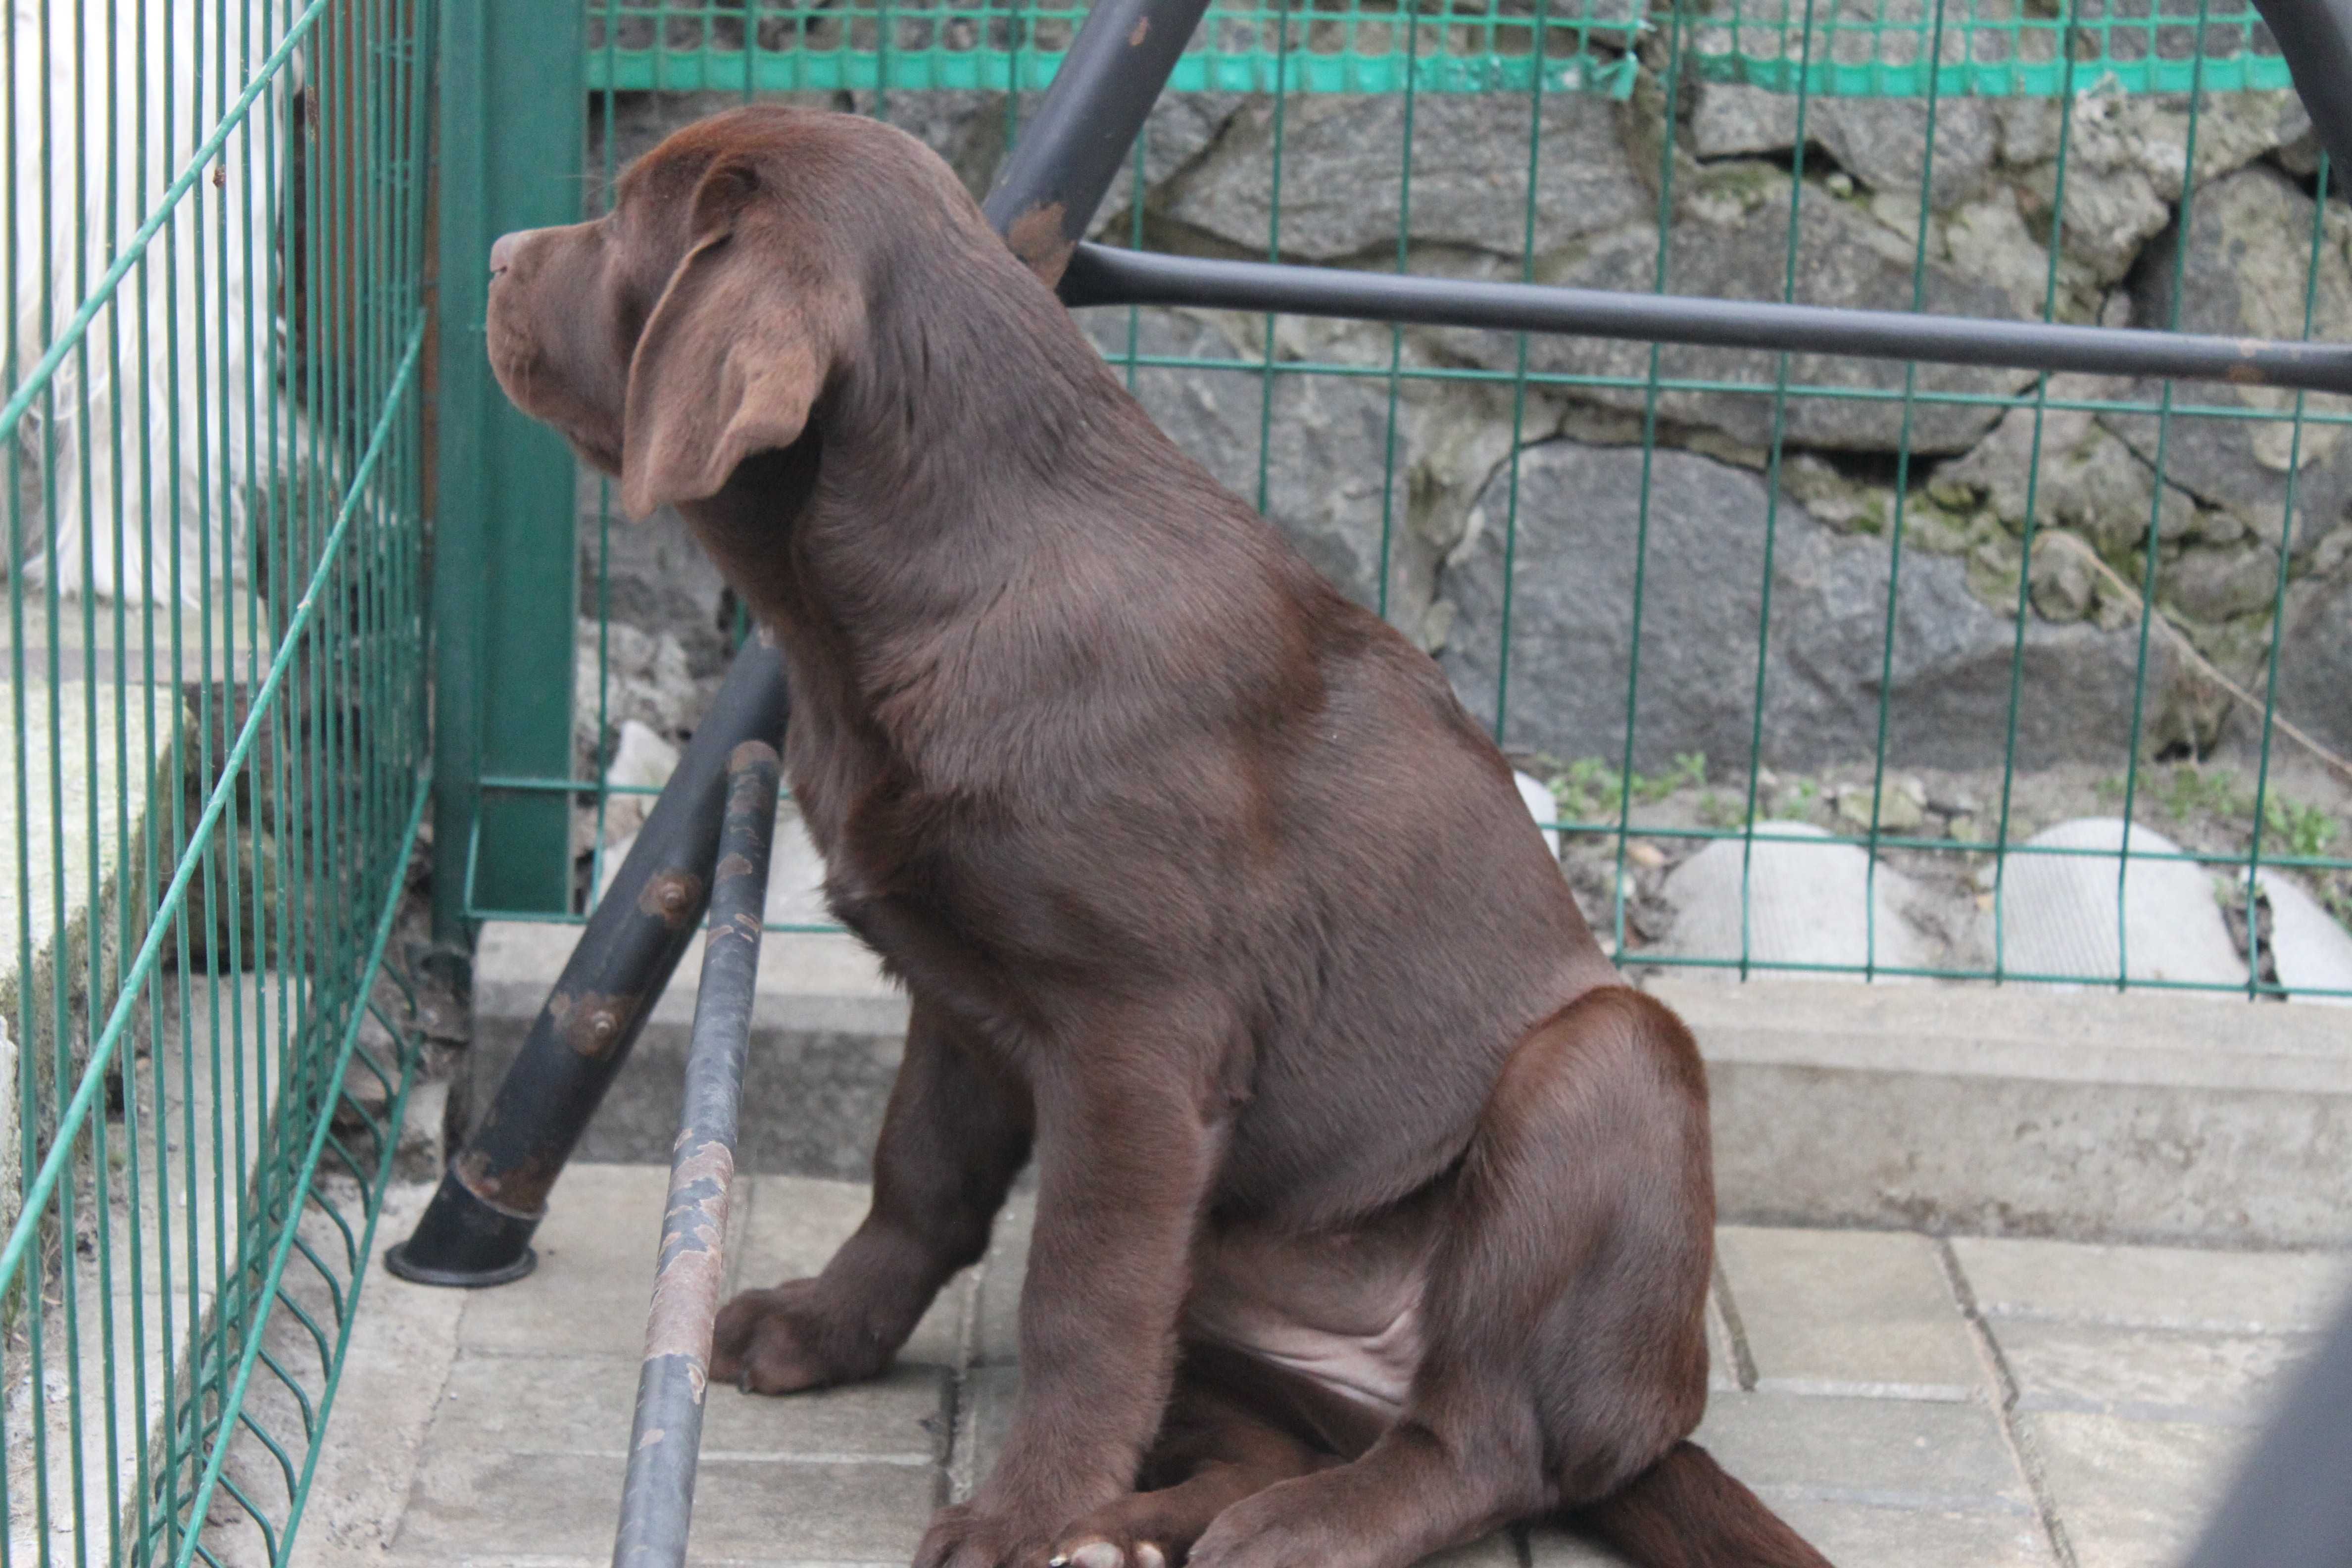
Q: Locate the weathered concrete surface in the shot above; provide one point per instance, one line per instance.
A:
(2083, 1115)
(1895, 1397)
(2080, 1115)
(825, 1041)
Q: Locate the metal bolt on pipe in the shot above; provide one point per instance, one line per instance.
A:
(657, 1498)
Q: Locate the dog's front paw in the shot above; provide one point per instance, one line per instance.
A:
(783, 1340)
(961, 1536)
(1108, 1544)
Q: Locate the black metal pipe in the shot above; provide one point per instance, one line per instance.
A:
(478, 1229)
(1073, 147)
(2315, 37)
(657, 1498)
(1098, 275)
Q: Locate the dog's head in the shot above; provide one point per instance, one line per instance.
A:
(701, 319)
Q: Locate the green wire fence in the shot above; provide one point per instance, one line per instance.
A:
(212, 752)
(1907, 612)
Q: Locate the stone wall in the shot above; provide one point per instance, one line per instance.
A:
(1435, 455)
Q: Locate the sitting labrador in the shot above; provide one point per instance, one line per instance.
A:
(1373, 1213)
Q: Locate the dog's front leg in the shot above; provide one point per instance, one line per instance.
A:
(1126, 1147)
(953, 1136)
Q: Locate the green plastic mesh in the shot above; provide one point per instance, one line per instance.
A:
(1842, 49)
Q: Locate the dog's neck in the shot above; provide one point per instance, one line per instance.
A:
(980, 494)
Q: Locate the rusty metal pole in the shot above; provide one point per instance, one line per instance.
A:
(658, 1499)
(478, 1229)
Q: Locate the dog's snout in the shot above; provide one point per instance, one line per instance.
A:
(502, 253)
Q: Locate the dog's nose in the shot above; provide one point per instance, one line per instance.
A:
(501, 253)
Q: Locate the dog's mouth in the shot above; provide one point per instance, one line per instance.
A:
(522, 373)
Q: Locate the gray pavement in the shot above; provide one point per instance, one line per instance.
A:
(1906, 1401)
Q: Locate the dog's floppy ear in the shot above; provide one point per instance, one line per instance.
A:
(734, 354)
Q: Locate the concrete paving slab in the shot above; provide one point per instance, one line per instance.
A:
(1550, 1547)
(463, 1440)
(404, 1343)
(1887, 1453)
(1001, 1273)
(596, 1274)
(1853, 1536)
(1723, 1351)
(468, 1507)
(791, 1229)
(2131, 1494)
(2149, 1374)
(582, 1405)
(983, 1416)
(1500, 1550)
(2154, 1286)
(1854, 1312)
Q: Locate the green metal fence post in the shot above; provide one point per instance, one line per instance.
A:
(504, 596)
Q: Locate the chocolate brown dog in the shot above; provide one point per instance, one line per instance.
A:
(1372, 1212)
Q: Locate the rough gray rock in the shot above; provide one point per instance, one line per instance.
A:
(1882, 143)
(1181, 127)
(652, 575)
(1327, 469)
(1572, 603)
(2315, 673)
(2250, 246)
(2126, 163)
(2219, 585)
(1343, 158)
(2088, 479)
(645, 678)
(1730, 241)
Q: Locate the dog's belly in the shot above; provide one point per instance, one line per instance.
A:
(1374, 1370)
(1341, 1311)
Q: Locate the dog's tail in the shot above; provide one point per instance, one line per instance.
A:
(1685, 1512)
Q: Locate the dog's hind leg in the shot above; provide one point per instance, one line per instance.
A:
(1211, 1452)
(954, 1135)
(1565, 1351)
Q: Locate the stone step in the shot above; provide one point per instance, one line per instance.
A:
(826, 1034)
(2085, 1115)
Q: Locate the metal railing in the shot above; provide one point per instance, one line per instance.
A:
(213, 734)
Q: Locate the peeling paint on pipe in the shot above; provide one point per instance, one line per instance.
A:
(657, 1498)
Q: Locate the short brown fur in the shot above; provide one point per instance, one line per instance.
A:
(1205, 890)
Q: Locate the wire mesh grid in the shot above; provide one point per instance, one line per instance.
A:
(1847, 47)
(213, 734)
(1707, 597)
